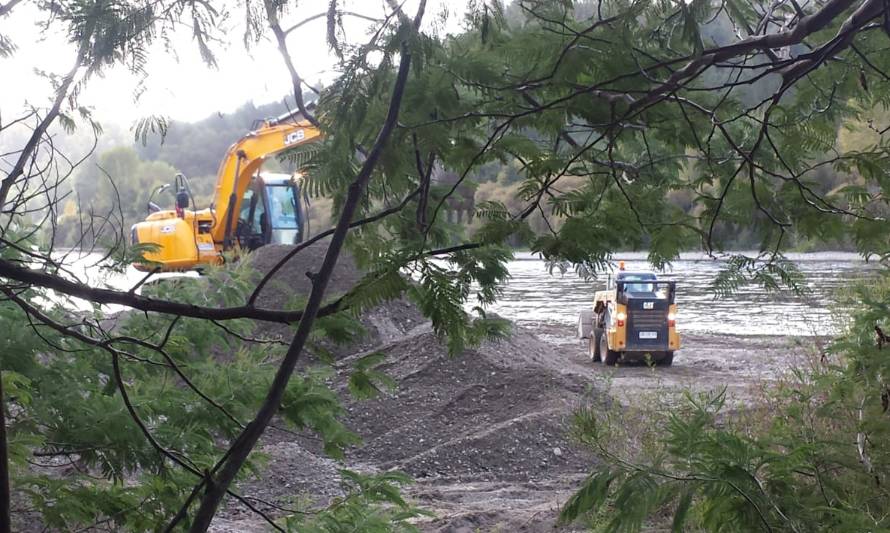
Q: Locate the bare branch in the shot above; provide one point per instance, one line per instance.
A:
(296, 80)
(246, 441)
(7, 7)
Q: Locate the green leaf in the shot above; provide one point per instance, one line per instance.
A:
(682, 511)
(589, 497)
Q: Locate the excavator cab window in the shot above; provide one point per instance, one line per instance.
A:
(246, 206)
(284, 213)
(252, 221)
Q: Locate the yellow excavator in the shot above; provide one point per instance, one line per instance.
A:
(249, 209)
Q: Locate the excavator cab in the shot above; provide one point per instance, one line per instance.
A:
(272, 212)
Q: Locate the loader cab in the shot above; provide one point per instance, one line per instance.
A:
(271, 212)
(649, 307)
(637, 285)
(636, 281)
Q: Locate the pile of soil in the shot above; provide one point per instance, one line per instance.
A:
(292, 281)
(290, 286)
(496, 416)
(491, 413)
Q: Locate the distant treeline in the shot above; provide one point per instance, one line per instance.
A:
(196, 149)
(117, 182)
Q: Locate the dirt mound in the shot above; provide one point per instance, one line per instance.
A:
(290, 285)
(292, 469)
(496, 416)
(292, 281)
(485, 434)
(483, 414)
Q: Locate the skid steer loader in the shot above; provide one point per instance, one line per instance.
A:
(633, 319)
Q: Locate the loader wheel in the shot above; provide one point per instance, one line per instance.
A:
(593, 348)
(610, 358)
(667, 360)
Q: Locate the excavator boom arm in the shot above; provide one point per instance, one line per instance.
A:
(242, 161)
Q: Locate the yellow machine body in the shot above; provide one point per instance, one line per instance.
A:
(180, 245)
(635, 318)
(616, 335)
(192, 239)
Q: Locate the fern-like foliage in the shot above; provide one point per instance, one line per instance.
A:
(815, 460)
(372, 503)
(442, 294)
(771, 273)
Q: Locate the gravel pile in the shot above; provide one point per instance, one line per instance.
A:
(498, 413)
(491, 413)
(291, 280)
(289, 287)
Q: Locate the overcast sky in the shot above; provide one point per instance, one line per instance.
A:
(183, 87)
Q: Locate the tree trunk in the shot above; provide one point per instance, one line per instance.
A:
(5, 514)
(218, 485)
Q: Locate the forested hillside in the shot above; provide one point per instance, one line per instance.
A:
(196, 149)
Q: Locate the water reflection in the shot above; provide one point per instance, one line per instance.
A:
(533, 296)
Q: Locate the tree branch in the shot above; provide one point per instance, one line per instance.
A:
(7, 7)
(32, 277)
(246, 441)
(324, 14)
(30, 147)
(5, 496)
(281, 38)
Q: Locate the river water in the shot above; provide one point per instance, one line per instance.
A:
(533, 297)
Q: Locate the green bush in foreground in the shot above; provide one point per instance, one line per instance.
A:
(147, 405)
(814, 457)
